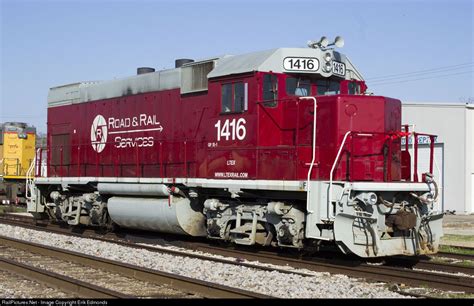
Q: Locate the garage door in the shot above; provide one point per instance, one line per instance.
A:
(424, 166)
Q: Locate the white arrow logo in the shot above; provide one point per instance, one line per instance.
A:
(99, 133)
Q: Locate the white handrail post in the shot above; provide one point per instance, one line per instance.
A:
(30, 177)
(412, 155)
(331, 173)
(308, 191)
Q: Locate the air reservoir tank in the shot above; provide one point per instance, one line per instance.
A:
(171, 214)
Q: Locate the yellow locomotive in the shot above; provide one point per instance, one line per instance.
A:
(17, 153)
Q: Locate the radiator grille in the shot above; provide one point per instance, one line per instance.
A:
(194, 77)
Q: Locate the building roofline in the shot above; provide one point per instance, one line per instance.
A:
(440, 104)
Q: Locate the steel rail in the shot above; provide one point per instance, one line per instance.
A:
(59, 281)
(372, 272)
(93, 235)
(42, 225)
(178, 282)
(428, 264)
(456, 255)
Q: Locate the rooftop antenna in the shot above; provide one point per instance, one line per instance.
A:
(323, 43)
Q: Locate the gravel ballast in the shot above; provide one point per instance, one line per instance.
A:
(277, 284)
(13, 286)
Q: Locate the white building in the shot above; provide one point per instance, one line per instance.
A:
(454, 149)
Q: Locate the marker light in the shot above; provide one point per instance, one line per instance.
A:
(328, 67)
(327, 57)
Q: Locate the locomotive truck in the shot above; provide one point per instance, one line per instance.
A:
(282, 148)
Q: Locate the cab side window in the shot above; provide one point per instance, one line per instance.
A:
(270, 90)
(226, 98)
(234, 97)
(354, 88)
(240, 100)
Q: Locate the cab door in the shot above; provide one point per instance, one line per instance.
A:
(276, 149)
(231, 153)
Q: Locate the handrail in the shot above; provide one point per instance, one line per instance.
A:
(31, 168)
(415, 145)
(308, 189)
(415, 170)
(332, 171)
(76, 161)
(407, 148)
(29, 177)
(72, 160)
(414, 157)
(73, 157)
(10, 169)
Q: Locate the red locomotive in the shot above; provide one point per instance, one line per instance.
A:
(281, 147)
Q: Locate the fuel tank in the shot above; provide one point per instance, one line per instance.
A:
(175, 215)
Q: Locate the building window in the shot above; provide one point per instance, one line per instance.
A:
(270, 90)
(298, 87)
(234, 97)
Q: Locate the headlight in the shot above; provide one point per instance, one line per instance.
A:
(371, 198)
(368, 198)
(327, 57)
(328, 67)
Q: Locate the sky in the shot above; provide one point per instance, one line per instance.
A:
(415, 51)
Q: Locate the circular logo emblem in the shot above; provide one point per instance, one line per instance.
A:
(99, 133)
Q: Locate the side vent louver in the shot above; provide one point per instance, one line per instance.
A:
(194, 76)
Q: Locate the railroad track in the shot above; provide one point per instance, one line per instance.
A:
(42, 263)
(22, 220)
(64, 283)
(112, 238)
(354, 268)
(456, 255)
(14, 285)
(433, 265)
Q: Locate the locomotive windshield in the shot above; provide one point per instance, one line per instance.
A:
(328, 87)
(298, 87)
(302, 86)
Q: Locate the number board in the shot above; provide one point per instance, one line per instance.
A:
(339, 68)
(300, 64)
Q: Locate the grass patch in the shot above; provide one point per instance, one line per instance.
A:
(466, 263)
(451, 237)
(11, 208)
(431, 292)
(456, 250)
(454, 295)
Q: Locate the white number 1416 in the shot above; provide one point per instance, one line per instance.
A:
(231, 129)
